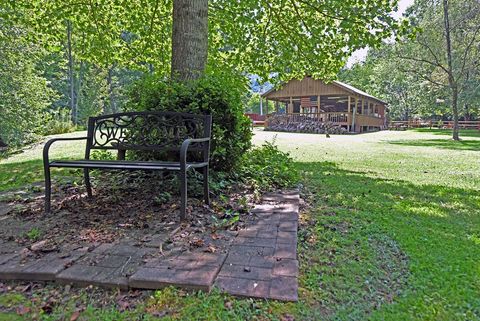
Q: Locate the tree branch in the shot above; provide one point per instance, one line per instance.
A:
(423, 76)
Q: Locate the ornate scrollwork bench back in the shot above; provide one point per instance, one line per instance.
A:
(182, 133)
(154, 131)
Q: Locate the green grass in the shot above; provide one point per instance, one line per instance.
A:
(393, 233)
(471, 144)
(448, 132)
(26, 167)
(374, 197)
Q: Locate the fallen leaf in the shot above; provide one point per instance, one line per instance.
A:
(75, 316)
(25, 253)
(228, 305)
(216, 236)
(197, 242)
(210, 249)
(22, 310)
(287, 317)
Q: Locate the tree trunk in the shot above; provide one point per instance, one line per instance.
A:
(71, 81)
(455, 135)
(467, 116)
(189, 39)
(111, 93)
(79, 86)
(451, 79)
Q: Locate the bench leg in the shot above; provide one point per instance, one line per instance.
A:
(183, 194)
(86, 175)
(206, 191)
(48, 189)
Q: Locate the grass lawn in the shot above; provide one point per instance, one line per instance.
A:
(27, 167)
(393, 232)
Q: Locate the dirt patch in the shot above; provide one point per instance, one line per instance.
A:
(145, 214)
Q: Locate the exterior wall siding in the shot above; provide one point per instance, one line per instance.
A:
(306, 87)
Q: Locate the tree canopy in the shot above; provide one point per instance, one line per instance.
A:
(431, 75)
(283, 38)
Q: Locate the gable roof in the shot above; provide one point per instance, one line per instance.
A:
(343, 86)
(355, 90)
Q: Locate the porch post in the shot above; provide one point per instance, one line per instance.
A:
(261, 105)
(266, 106)
(354, 114)
(318, 106)
(348, 115)
(290, 106)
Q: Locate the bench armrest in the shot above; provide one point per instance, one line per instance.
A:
(46, 148)
(186, 143)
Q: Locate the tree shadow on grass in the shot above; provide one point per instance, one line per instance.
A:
(362, 231)
(473, 145)
(448, 132)
(15, 175)
(21, 174)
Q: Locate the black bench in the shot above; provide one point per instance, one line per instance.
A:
(186, 136)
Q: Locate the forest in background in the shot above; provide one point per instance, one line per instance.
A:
(53, 90)
(422, 76)
(53, 81)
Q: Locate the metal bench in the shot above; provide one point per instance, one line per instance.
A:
(186, 136)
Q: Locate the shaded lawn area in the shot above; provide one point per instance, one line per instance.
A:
(374, 239)
(471, 144)
(26, 167)
(448, 132)
(466, 142)
(393, 233)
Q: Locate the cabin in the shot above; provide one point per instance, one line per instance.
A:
(337, 104)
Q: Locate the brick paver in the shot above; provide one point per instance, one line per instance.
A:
(187, 270)
(261, 262)
(17, 267)
(109, 265)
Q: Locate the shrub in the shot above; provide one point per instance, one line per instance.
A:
(267, 167)
(218, 96)
(101, 154)
(58, 122)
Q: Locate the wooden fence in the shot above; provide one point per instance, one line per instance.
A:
(463, 124)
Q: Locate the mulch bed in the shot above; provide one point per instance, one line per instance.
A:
(141, 211)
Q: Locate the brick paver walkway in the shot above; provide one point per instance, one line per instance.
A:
(262, 261)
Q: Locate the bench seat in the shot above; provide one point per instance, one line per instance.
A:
(127, 165)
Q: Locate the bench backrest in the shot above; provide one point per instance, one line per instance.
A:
(147, 131)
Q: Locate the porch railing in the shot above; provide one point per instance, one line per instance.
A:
(336, 117)
(369, 120)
